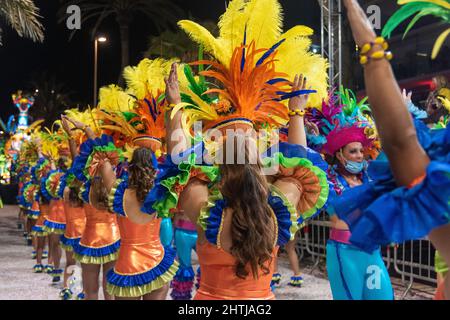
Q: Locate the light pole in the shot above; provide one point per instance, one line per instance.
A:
(97, 40)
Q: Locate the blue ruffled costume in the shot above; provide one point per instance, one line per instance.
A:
(381, 213)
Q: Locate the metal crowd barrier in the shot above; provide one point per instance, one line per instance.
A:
(412, 261)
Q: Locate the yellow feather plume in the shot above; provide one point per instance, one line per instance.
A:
(210, 44)
(265, 22)
(231, 24)
(439, 42)
(114, 98)
(147, 78)
(137, 78)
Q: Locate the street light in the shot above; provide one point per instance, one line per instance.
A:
(97, 40)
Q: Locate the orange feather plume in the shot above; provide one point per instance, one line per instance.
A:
(248, 92)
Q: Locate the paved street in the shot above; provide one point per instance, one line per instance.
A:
(17, 281)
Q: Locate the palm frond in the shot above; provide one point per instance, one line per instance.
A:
(23, 16)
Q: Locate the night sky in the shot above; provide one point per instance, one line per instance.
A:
(72, 62)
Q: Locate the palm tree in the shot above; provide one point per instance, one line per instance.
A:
(160, 13)
(22, 16)
(51, 98)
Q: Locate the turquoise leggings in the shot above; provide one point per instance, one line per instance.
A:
(357, 275)
(185, 241)
(166, 233)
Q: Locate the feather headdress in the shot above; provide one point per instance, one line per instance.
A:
(261, 22)
(138, 113)
(54, 142)
(342, 123)
(251, 68)
(87, 117)
(420, 8)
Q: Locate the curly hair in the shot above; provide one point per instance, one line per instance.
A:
(141, 173)
(74, 199)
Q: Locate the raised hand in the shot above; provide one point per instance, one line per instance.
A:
(77, 124)
(407, 97)
(172, 88)
(65, 125)
(312, 128)
(299, 102)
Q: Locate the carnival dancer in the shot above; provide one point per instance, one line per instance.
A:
(408, 197)
(241, 252)
(69, 190)
(238, 212)
(100, 242)
(349, 140)
(41, 235)
(39, 172)
(145, 266)
(55, 222)
(233, 109)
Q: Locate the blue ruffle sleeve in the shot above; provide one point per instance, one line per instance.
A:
(308, 169)
(286, 216)
(86, 150)
(44, 191)
(173, 175)
(380, 212)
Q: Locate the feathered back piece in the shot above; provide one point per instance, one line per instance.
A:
(420, 8)
(261, 23)
(341, 124)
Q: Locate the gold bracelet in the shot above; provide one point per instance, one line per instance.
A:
(297, 112)
(377, 55)
(368, 46)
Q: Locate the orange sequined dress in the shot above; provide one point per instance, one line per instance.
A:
(75, 224)
(38, 228)
(100, 241)
(56, 219)
(144, 264)
(217, 266)
(215, 261)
